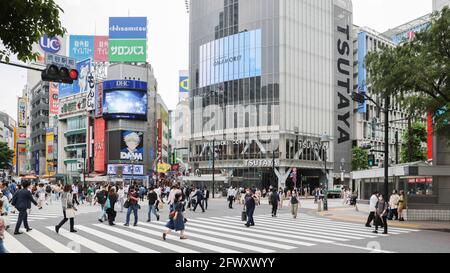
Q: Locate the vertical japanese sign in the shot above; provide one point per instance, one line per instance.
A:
(99, 99)
(22, 113)
(99, 145)
(91, 93)
(54, 90)
(101, 48)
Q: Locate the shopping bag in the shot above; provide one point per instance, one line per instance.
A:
(244, 215)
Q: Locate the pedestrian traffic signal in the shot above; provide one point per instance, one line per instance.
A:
(371, 160)
(53, 73)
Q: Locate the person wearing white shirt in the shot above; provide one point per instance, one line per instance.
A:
(121, 195)
(393, 204)
(372, 208)
(231, 194)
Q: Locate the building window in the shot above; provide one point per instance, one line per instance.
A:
(420, 186)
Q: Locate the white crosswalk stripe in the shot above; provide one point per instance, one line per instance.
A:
(226, 234)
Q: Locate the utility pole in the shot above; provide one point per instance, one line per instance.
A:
(396, 148)
(386, 147)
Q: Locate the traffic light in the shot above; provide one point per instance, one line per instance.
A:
(358, 97)
(53, 73)
(371, 160)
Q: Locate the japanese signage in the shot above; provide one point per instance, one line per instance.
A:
(99, 100)
(126, 169)
(22, 112)
(128, 27)
(91, 93)
(99, 145)
(261, 163)
(81, 47)
(101, 48)
(72, 106)
(60, 60)
(127, 39)
(53, 95)
(127, 50)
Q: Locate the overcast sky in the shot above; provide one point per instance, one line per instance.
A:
(169, 35)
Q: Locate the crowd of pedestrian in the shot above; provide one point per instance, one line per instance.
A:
(381, 210)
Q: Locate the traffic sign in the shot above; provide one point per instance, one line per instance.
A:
(59, 60)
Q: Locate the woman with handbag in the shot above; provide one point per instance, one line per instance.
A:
(68, 209)
(176, 218)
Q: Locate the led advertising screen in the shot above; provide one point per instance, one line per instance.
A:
(124, 99)
(231, 58)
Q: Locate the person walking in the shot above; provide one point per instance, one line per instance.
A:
(22, 202)
(401, 205)
(121, 196)
(152, 203)
(249, 207)
(199, 197)
(75, 191)
(294, 201)
(393, 205)
(40, 194)
(176, 218)
(68, 208)
(110, 204)
(381, 215)
(372, 208)
(230, 195)
(4, 209)
(101, 196)
(48, 194)
(90, 194)
(281, 196)
(2, 229)
(133, 199)
(274, 200)
(206, 197)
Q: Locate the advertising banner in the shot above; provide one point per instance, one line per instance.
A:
(132, 146)
(73, 105)
(101, 48)
(79, 86)
(127, 50)
(49, 154)
(99, 145)
(22, 113)
(128, 28)
(99, 99)
(125, 99)
(52, 45)
(234, 57)
(90, 96)
(81, 47)
(21, 154)
(362, 71)
(160, 141)
(126, 169)
(343, 78)
(36, 163)
(53, 98)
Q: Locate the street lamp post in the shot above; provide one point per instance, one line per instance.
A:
(325, 141)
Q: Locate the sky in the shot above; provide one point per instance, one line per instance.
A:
(168, 37)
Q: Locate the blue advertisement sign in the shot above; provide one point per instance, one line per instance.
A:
(81, 47)
(79, 86)
(231, 58)
(50, 44)
(184, 84)
(125, 84)
(409, 34)
(128, 28)
(362, 70)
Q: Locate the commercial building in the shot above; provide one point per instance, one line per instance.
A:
(266, 82)
(162, 113)
(7, 128)
(181, 132)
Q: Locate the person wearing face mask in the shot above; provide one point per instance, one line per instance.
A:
(382, 208)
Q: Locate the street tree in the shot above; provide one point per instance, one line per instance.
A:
(6, 156)
(23, 23)
(360, 159)
(413, 143)
(417, 73)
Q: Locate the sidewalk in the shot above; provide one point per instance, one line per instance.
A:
(351, 214)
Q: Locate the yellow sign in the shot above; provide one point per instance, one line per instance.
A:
(49, 166)
(163, 168)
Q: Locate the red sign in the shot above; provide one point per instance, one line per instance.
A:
(160, 141)
(175, 167)
(430, 136)
(101, 48)
(99, 145)
(53, 94)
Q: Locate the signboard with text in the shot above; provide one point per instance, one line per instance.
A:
(127, 50)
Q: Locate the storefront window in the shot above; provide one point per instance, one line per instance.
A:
(420, 186)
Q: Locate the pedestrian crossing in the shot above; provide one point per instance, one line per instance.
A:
(225, 234)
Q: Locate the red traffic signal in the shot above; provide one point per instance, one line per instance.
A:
(53, 73)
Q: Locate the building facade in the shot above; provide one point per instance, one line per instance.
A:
(7, 128)
(266, 82)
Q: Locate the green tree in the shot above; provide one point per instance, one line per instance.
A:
(360, 159)
(6, 156)
(417, 74)
(24, 22)
(418, 137)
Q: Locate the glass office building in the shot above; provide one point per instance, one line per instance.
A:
(268, 79)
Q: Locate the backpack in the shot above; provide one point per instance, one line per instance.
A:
(101, 197)
(294, 200)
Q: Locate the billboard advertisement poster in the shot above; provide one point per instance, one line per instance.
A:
(234, 57)
(184, 84)
(36, 163)
(99, 99)
(81, 47)
(82, 85)
(53, 94)
(101, 48)
(122, 102)
(49, 139)
(22, 113)
(132, 146)
(22, 157)
(362, 71)
(99, 145)
(128, 28)
(127, 50)
(49, 45)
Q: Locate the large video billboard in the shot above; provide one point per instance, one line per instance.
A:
(231, 58)
(125, 100)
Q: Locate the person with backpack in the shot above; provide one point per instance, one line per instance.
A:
(101, 197)
(109, 206)
(274, 200)
(68, 208)
(199, 198)
(294, 201)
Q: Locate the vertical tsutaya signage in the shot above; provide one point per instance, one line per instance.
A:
(342, 29)
(22, 113)
(127, 39)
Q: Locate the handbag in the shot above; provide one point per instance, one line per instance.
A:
(70, 213)
(172, 214)
(126, 204)
(244, 216)
(160, 205)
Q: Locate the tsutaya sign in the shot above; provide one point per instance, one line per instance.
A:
(342, 30)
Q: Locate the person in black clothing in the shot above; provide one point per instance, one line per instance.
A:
(249, 207)
(274, 199)
(200, 197)
(152, 198)
(113, 197)
(22, 202)
(188, 193)
(206, 197)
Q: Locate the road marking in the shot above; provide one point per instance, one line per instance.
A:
(215, 239)
(83, 241)
(48, 242)
(116, 240)
(139, 237)
(13, 245)
(363, 248)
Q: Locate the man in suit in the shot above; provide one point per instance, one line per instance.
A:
(22, 201)
(206, 197)
(199, 195)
